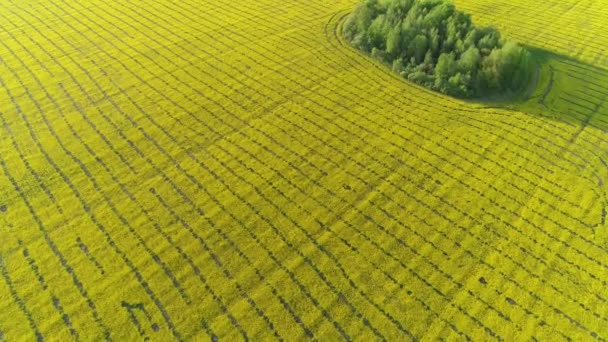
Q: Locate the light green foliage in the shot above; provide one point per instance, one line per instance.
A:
(393, 40)
(445, 68)
(419, 47)
(431, 37)
(398, 65)
(469, 60)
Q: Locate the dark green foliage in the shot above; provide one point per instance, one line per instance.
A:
(431, 43)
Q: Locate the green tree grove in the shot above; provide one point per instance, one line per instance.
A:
(431, 43)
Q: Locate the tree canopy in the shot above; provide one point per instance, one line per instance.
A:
(431, 43)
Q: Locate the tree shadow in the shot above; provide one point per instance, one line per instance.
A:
(564, 89)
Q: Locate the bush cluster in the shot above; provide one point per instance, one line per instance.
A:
(431, 43)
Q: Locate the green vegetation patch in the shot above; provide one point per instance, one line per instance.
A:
(431, 43)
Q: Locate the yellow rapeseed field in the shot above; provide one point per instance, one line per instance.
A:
(203, 170)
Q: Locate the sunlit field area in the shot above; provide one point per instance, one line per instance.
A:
(209, 169)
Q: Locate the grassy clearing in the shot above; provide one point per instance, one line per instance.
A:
(200, 169)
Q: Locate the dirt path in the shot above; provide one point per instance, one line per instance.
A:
(548, 89)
